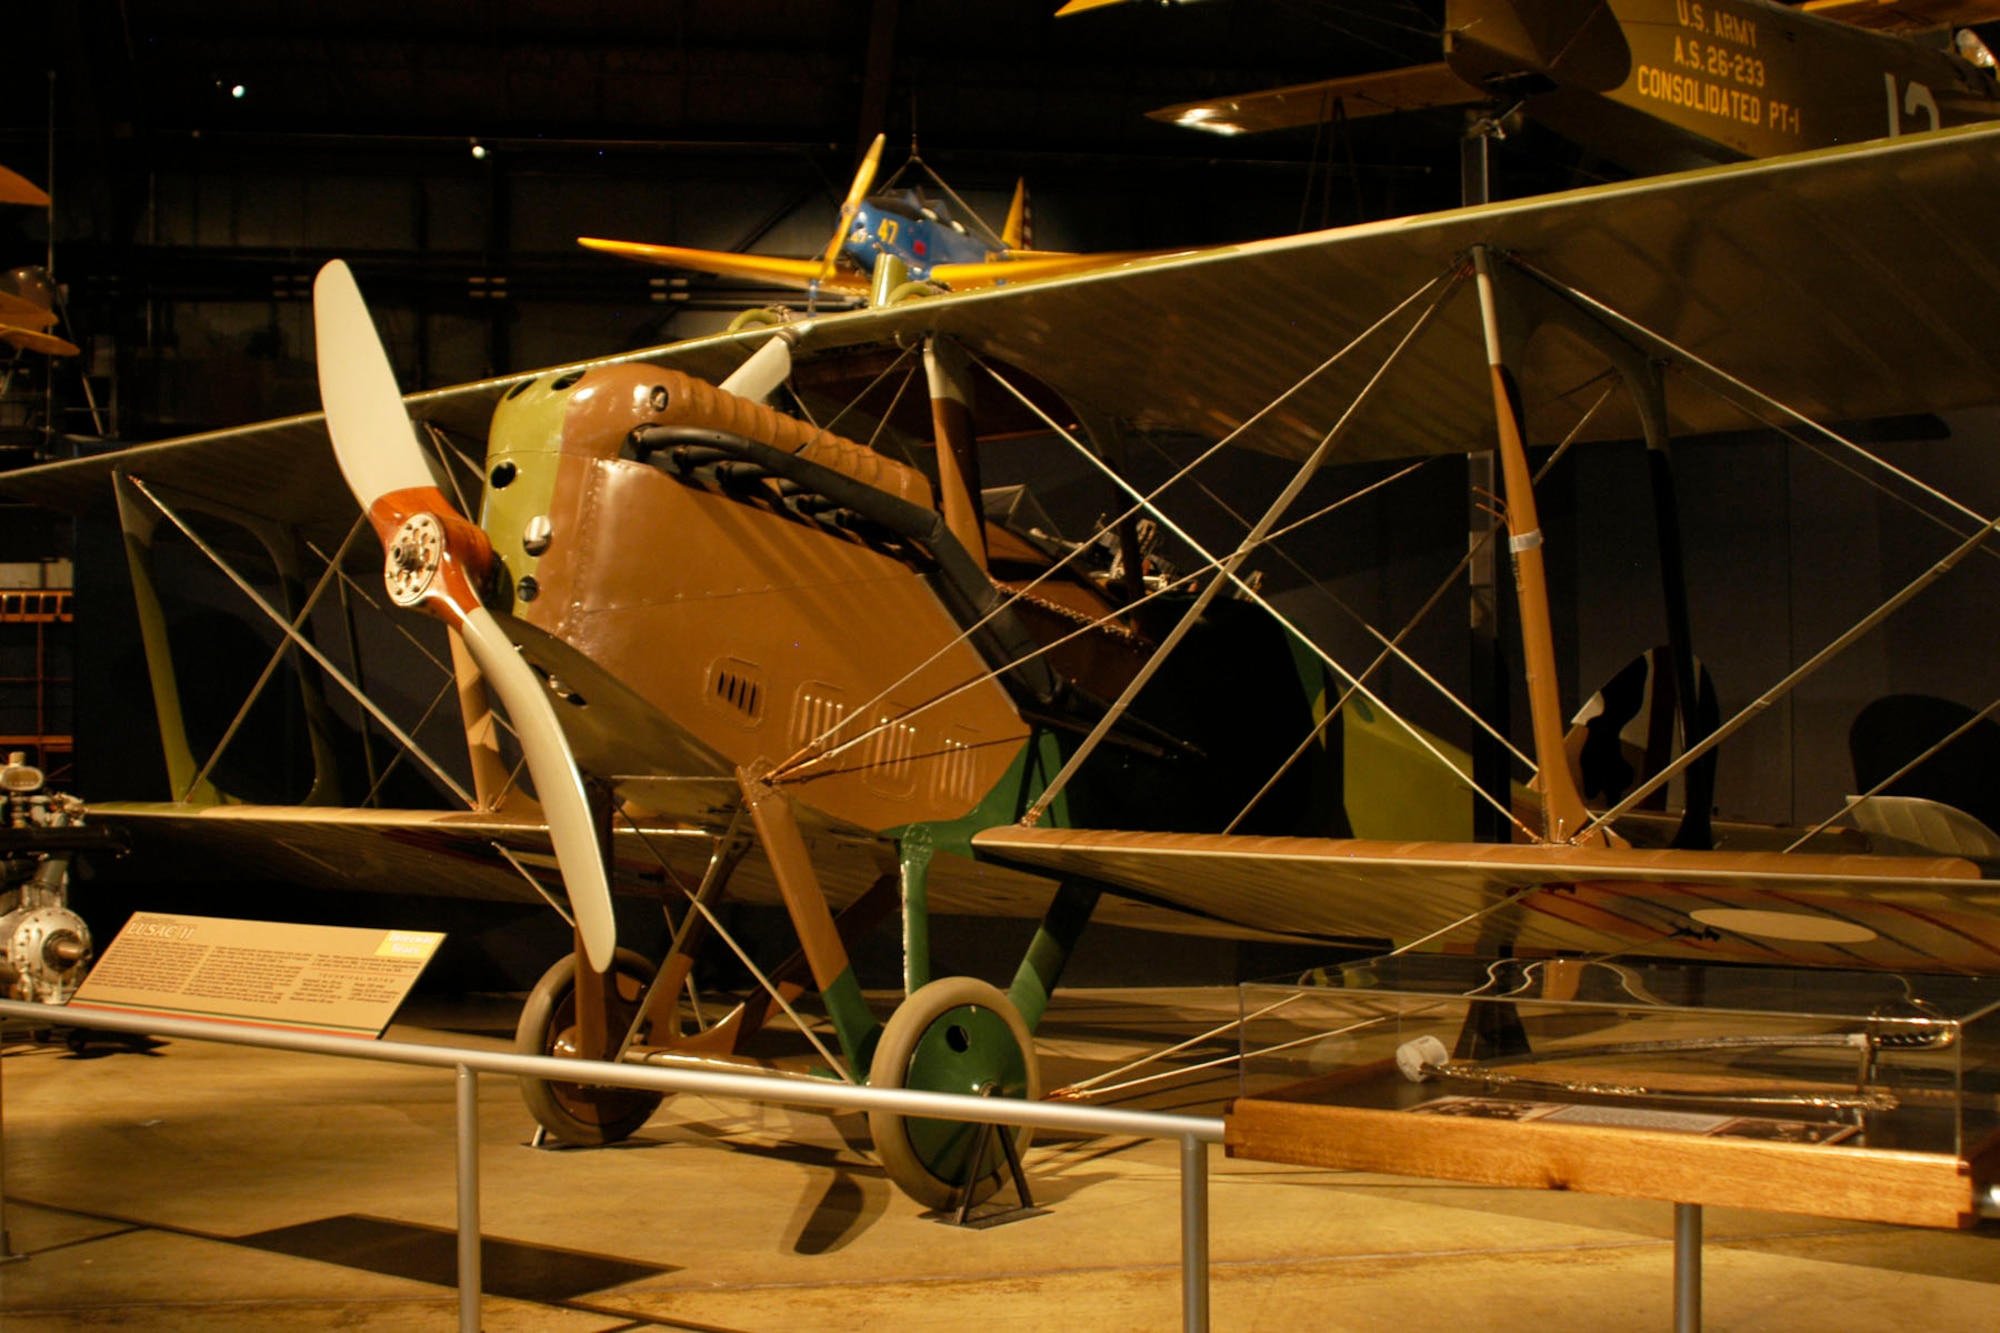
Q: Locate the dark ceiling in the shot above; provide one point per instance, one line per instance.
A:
(189, 218)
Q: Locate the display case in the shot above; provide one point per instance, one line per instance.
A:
(1852, 1094)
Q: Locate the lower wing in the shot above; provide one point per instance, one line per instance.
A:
(1921, 913)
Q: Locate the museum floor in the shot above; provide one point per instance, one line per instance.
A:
(218, 1188)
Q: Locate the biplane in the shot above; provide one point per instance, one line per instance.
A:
(745, 655)
(890, 245)
(28, 312)
(1665, 84)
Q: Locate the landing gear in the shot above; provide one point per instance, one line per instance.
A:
(575, 1112)
(957, 1034)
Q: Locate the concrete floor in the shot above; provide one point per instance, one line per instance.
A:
(218, 1188)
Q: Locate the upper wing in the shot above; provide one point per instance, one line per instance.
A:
(800, 273)
(284, 469)
(25, 314)
(1848, 284)
(1031, 266)
(805, 273)
(36, 341)
(1411, 88)
(1867, 911)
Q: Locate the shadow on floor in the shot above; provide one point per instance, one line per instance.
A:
(430, 1254)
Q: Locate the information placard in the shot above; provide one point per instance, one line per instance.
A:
(333, 979)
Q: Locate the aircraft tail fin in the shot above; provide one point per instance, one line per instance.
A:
(1015, 235)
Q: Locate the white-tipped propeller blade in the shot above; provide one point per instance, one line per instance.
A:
(379, 455)
(372, 437)
(557, 780)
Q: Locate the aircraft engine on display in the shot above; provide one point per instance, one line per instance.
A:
(45, 947)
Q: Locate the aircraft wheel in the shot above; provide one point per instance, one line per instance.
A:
(577, 1112)
(956, 1034)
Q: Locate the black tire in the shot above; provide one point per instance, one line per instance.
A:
(579, 1113)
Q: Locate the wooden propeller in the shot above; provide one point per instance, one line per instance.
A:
(864, 179)
(436, 561)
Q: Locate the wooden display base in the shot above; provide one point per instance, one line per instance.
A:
(1826, 1180)
(1690, 1170)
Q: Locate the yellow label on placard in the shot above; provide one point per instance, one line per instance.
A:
(409, 944)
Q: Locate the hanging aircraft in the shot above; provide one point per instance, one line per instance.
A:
(745, 655)
(28, 313)
(894, 244)
(27, 296)
(1658, 85)
(18, 189)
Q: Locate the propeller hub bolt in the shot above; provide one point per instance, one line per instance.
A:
(414, 558)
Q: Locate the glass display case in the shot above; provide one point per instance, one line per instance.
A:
(1691, 1082)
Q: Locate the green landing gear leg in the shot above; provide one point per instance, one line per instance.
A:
(1061, 927)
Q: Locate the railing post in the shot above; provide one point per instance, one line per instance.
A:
(6, 1247)
(468, 1201)
(1687, 1268)
(1194, 1234)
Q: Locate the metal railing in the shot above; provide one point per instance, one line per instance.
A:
(1194, 1133)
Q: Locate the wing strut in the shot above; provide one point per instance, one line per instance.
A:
(957, 451)
(1789, 421)
(1563, 815)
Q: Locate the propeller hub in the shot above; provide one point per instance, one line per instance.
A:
(416, 553)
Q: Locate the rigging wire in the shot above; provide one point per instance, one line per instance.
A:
(444, 691)
(742, 955)
(400, 625)
(1763, 701)
(1274, 613)
(1760, 406)
(278, 655)
(1900, 773)
(1394, 646)
(305, 645)
(1142, 503)
(1456, 272)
